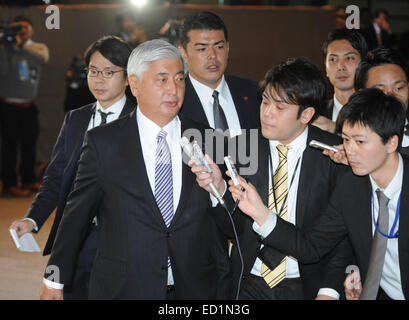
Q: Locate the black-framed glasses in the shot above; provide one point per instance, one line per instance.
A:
(106, 73)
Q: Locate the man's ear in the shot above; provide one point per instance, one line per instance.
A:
(392, 144)
(133, 82)
(307, 115)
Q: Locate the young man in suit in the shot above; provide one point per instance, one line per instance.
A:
(387, 70)
(293, 91)
(384, 69)
(342, 51)
(213, 98)
(156, 240)
(107, 59)
(369, 205)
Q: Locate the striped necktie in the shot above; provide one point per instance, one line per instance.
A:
(277, 202)
(163, 178)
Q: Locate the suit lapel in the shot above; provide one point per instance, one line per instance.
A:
(238, 103)
(262, 178)
(80, 127)
(306, 176)
(188, 179)
(134, 158)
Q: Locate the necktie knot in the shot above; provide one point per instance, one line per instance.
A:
(220, 121)
(383, 200)
(161, 135)
(283, 151)
(215, 95)
(104, 116)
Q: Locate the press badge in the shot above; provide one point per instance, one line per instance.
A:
(23, 70)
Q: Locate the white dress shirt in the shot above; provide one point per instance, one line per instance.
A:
(226, 103)
(294, 155)
(148, 131)
(391, 280)
(116, 110)
(337, 108)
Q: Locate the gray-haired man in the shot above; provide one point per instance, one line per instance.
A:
(156, 239)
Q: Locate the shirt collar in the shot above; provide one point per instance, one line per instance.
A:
(205, 93)
(337, 104)
(152, 129)
(116, 108)
(297, 145)
(392, 191)
(377, 28)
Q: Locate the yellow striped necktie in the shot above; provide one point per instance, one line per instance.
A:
(278, 203)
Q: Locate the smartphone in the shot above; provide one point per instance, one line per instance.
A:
(322, 146)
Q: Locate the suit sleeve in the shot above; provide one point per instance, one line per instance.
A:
(46, 199)
(78, 213)
(309, 246)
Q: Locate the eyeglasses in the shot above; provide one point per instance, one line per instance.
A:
(106, 73)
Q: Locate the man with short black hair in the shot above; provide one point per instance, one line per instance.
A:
(369, 206)
(293, 91)
(213, 98)
(107, 60)
(343, 50)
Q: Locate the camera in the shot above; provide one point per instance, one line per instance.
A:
(8, 34)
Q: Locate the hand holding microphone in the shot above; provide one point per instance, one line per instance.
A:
(208, 174)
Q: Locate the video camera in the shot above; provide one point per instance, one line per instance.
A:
(8, 34)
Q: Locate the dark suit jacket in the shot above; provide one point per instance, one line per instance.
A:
(59, 176)
(134, 242)
(388, 39)
(246, 98)
(349, 214)
(317, 179)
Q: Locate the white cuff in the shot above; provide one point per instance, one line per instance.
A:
(329, 292)
(35, 223)
(52, 284)
(267, 227)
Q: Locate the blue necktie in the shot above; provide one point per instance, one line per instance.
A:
(163, 178)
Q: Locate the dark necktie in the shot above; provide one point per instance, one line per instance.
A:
(220, 121)
(104, 116)
(378, 250)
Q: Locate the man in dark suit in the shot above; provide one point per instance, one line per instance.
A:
(156, 240)
(293, 91)
(342, 51)
(212, 98)
(369, 205)
(108, 55)
(387, 70)
(379, 33)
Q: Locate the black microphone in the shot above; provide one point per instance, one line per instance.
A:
(194, 152)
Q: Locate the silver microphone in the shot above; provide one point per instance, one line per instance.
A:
(194, 152)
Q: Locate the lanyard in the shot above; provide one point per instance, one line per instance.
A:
(272, 181)
(395, 222)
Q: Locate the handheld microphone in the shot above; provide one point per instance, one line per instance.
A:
(194, 152)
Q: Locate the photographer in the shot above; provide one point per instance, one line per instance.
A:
(21, 60)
